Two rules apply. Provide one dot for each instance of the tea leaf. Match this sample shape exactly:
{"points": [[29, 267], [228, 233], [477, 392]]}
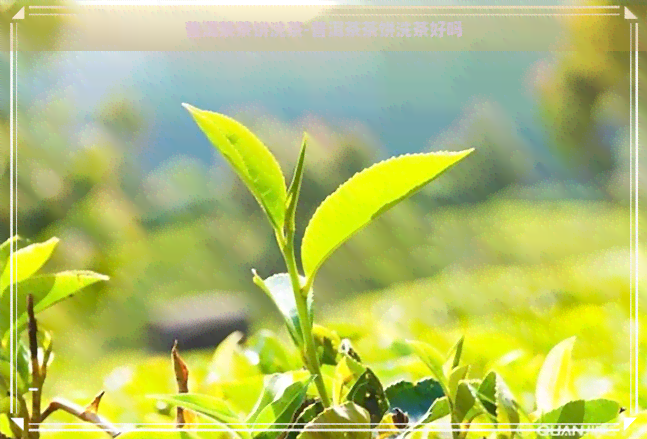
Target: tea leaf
{"points": [[206, 405], [279, 288], [597, 411], [554, 378], [304, 417], [364, 197], [278, 413], [368, 392], [432, 359], [47, 290], [458, 374], [229, 362], [251, 160], [454, 357], [507, 414], [295, 186], [487, 393], [5, 251], [273, 385], [27, 260], [355, 417], [347, 371], [273, 355], [439, 409]]}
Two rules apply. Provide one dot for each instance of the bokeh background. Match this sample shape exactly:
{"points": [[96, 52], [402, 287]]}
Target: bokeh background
{"points": [[522, 245]]}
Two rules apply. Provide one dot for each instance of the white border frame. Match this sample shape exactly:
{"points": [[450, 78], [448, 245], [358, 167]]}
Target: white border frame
{"points": [[634, 186]]}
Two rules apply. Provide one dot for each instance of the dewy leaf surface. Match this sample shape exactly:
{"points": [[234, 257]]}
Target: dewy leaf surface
{"points": [[249, 157], [364, 197]]}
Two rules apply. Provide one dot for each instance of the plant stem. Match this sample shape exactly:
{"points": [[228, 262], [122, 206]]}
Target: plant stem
{"points": [[82, 414], [310, 353], [37, 380]]}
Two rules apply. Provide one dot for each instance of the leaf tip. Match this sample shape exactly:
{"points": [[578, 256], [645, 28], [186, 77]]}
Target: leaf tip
{"points": [[190, 108]]}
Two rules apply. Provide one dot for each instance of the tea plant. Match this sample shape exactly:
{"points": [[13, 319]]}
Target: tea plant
{"points": [[24, 363], [355, 404], [336, 394]]}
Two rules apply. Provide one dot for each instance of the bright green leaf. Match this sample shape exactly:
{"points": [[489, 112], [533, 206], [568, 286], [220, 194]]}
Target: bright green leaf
{"points": [[456, 375], [554, 381], [208, 406], [273, 385], [347, 372], [295, 186], [47, 291], [597, 411], [439, 409], [251, 160], [278, 413], [454, 357], [27, 261], [487, 393], [364, 197], [229, 362], [356, 418], [279, 288], [273, 355], [5, 251], [507, 414], [432, 359]]}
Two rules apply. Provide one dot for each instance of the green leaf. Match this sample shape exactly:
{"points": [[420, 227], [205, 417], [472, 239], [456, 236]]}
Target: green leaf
{"points": [[347, 372], [309, 413], [229, 362], [507, 414], [454, 357], [439, 409], [273, 355], [5, 251], [364, 197], [368, 392], [467, 404], [414, 399], [251, 160], [554, 379], [356, 418], [47, 290], [212, 408], [273, 386], [277, 414], [279, 288], [27, 261], [456, 375], [597, 411], [295, 186], [487, 393], [432, 359]]}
